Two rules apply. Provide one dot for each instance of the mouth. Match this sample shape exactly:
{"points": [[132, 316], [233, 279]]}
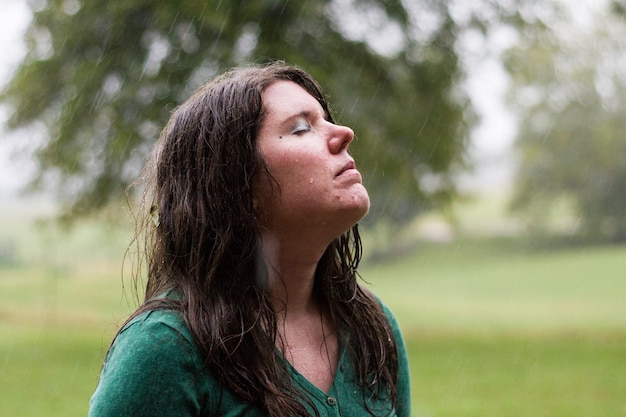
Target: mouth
{"points": [[348, 166]]}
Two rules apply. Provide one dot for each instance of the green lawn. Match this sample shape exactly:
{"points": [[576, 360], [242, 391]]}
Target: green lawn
{"points": [[515, 376], [502, 328], [49, 369], [505, 285], [493, 327]]}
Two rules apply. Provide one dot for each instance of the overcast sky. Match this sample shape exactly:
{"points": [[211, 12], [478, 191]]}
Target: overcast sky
{"points": [[13, 21]]}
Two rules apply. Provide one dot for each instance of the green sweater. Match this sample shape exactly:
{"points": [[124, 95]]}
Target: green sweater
{"points": [[154, 368]]}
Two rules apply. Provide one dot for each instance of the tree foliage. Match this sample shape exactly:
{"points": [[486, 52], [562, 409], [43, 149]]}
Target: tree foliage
{"points": [[101, 78], [571, 93]]}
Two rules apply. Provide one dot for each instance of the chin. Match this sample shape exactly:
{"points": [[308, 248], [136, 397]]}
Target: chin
{"points": [[363, 200], [358, 209]]}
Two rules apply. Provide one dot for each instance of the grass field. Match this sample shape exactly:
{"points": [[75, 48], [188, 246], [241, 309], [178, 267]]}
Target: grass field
{"points": [[494, 327], [497, 328]]}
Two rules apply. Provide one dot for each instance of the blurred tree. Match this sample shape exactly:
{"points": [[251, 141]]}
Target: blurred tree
{"points": [[101, 78], [619, 8], [571, 97]]}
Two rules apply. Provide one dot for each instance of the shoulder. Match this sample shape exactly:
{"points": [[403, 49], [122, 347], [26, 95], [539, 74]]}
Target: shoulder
{"points": [[391, 318], [152, 367], [154, 333], [393, 324], [163, 323], [404, 378]]}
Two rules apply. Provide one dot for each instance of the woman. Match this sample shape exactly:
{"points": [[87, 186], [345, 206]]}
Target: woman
{"points": [[252, 306]]}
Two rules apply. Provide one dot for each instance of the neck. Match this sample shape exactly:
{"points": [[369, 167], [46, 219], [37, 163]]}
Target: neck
{"points": [[291, 267]]}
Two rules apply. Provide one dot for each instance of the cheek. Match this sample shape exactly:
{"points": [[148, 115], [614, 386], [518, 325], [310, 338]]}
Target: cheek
{"points": [[302, 185], [298, 169], [301, 171]]}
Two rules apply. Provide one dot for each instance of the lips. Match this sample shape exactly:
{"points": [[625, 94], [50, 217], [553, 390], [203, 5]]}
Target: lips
{"points": [[348, 166]]}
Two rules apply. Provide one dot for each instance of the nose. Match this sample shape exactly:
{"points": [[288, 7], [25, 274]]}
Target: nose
{"points": [[340, 138]]}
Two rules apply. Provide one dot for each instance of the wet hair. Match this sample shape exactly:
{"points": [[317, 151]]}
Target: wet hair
{"points": [[202, 243]]}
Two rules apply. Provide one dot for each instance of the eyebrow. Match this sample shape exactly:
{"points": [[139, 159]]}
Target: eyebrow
{"points": [[305, 114]]}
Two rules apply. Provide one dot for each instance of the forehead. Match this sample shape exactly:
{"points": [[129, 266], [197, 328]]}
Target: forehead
{"points": [[284, 98]]}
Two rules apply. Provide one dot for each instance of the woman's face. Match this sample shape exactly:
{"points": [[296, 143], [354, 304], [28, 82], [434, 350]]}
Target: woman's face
{"points": [[319, 187]]}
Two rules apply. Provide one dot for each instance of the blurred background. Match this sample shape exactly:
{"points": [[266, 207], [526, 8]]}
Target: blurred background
{"points": [[491, 136]]}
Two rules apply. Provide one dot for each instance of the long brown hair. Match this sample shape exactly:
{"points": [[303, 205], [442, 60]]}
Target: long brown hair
{"points": [[204, 246]]}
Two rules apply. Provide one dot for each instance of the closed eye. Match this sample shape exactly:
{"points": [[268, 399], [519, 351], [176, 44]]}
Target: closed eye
{"points": [[301, 128]]}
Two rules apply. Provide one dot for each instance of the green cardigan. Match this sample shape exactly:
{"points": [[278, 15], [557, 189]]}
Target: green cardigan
{"points": [[155, 369]]}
